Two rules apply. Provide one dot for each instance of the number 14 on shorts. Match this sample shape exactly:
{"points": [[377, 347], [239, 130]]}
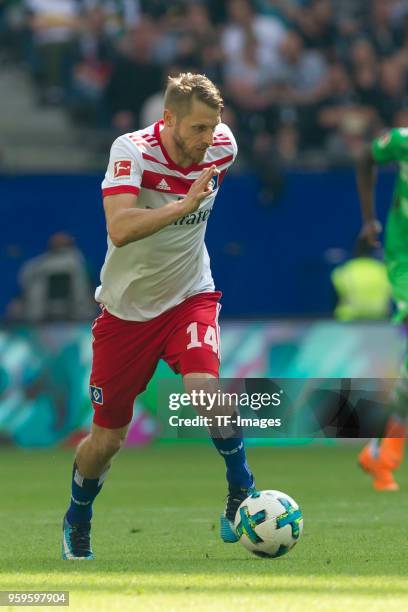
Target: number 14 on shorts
{"points": [[210, 338]]}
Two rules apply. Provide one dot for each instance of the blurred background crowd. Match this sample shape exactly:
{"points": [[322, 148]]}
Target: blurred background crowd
{"points": [[306, 82]]}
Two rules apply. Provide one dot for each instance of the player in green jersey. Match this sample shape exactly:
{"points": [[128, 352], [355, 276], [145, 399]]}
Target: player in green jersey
{"points": [[381, 458]]}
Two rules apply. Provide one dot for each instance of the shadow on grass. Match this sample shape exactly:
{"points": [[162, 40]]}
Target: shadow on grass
{"points": [[200, 584], [238, 569]]}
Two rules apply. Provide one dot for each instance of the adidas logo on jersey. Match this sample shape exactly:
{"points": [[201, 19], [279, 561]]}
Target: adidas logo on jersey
{"points": [[163, 185]]}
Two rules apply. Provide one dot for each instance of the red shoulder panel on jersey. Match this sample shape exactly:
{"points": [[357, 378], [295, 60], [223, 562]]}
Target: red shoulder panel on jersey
{"points": [[165, 183], [109, 191], [221, 144], [217, 162], [136, 137], [142, 139], [154, 159]]}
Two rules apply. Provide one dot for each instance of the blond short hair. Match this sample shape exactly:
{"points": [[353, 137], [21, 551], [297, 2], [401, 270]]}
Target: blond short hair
{"points": [[182, 89]]}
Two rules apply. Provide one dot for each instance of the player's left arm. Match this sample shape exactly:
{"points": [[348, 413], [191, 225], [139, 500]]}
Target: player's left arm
{"points": [[385, 149], [366, 172]]}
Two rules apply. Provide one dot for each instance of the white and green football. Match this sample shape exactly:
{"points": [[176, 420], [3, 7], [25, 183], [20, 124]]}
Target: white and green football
{"points": [[269, 523]]}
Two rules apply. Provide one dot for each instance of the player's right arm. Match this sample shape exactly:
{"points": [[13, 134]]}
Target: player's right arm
{"points": [[386, 148], [125, 222]]}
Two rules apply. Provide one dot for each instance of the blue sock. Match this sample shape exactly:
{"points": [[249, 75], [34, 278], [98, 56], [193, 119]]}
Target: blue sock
{"points": [[84, 491], [239, 475]]}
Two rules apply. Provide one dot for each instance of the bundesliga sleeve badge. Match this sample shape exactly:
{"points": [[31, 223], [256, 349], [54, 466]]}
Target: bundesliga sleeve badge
{"points": [[122, 168]]}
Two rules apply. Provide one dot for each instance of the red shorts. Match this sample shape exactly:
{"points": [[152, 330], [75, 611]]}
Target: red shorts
{"points": [[126, 353]]}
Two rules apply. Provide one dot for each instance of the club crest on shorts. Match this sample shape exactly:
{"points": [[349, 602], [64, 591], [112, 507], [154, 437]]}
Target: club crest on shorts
{"points": [[96, 394]]}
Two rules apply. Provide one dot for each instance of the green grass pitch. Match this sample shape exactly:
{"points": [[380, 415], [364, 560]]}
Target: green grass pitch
{"points": [[155, 533]]}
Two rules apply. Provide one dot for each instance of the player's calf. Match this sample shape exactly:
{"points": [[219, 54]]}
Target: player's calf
{"points": [[230, 445], [88, 475], [96, 450]]}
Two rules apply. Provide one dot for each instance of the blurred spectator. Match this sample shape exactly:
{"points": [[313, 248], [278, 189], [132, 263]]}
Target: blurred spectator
{"points": [[348, 114], [284, 10], [158, 8], [401, 118], [3, 24], [351, 15], [169, 29], [309, 78], [393, 89], [399, 21], [198, 33], [247, 77], [299, 73], [53, 25], [316, 24], [55, 285], [119, 15], [153, 106], [134, 78], [212, 61], [339, 98], [271, 157], [300, 83], [269, 32], [379, 28], [12, 24], [92, 67], [362, 52], [362, 287], [356, 127], [364, 71], [152, 109]]}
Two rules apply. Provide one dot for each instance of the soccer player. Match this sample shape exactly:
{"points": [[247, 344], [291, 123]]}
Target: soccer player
{"points": [[381, 457], [157, 293]]}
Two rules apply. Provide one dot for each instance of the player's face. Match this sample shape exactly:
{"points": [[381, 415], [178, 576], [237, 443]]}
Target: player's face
{"points": [[193, 133]]}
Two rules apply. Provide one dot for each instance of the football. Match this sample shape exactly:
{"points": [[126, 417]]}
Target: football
{"points": [[269, 523]]}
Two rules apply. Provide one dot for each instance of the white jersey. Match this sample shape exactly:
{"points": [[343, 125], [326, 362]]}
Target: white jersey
{"points": [[141, 280]]}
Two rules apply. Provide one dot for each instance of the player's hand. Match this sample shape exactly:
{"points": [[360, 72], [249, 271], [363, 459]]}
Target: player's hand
{"points": [[199, 190], [370, 231]]}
